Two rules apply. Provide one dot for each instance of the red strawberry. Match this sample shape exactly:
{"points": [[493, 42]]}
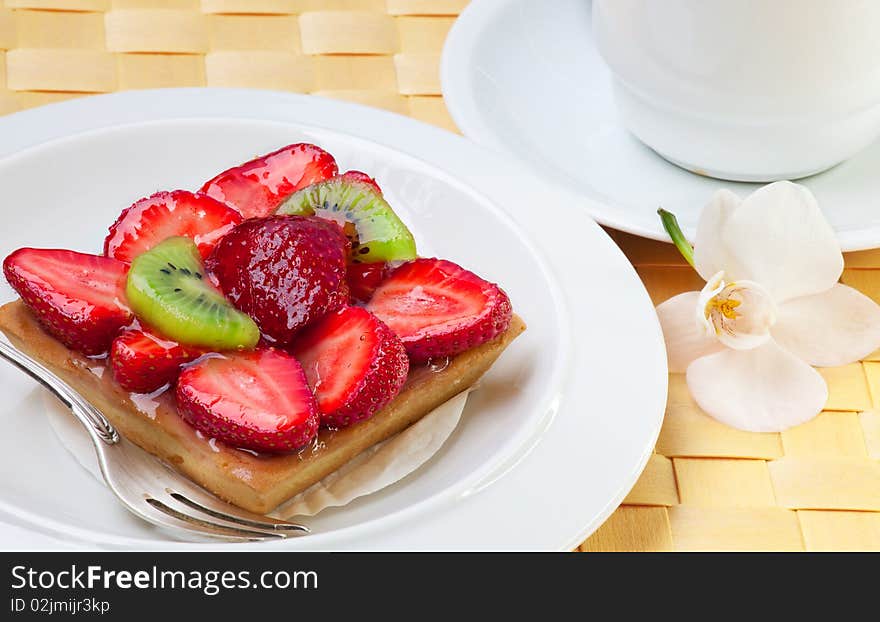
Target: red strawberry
{"points": [[166, 214], [143, 362], [283, 271], [257, 400], [439, 309], [354, 363], [361, 177], [258, 187], [364, 278], [78, 298]]}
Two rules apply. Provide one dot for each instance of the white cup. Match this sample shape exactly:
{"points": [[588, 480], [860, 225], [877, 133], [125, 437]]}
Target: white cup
{"points": [[748, 90]]}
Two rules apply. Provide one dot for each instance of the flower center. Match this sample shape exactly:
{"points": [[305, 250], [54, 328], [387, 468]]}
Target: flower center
{"points": [[739, 314], [725, 307]]}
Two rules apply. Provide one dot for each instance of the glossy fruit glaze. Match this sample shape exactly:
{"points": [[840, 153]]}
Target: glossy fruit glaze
{"points": [[258, 186], [77, 297], [144, 362], [283, 271], [439, 309], [354, 364], [153, 219], [364, 278], [257, 400]]}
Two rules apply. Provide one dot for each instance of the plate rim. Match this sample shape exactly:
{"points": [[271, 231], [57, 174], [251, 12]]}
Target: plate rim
{"points": [[455, 60], [208, 102]]}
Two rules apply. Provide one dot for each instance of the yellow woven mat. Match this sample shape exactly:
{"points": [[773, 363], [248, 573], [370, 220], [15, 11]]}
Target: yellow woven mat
{"points": [[816, 487]]}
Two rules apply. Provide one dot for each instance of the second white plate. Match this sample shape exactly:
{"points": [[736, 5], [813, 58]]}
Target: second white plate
{"points": [[525, 78]]}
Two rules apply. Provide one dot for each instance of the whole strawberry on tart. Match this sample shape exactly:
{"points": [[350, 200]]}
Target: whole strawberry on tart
{"points": [[281, 299]]}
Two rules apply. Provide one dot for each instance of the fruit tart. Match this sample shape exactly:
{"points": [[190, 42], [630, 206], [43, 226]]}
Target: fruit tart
{"points": [[259, 333]]}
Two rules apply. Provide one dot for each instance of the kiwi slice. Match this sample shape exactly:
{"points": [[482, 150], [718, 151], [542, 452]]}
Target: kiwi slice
{"points": [[168, 290], [375, 231]]}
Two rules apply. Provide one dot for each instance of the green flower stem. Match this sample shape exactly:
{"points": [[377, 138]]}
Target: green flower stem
{"points": [[670, 223]]}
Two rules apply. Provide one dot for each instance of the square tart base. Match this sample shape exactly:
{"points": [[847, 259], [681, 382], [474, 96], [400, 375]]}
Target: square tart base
{"points": [[258, 483]]}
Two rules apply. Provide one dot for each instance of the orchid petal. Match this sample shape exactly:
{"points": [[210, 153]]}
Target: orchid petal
{"points": [[779, 238], [685, 339], [766, 389], [710, 253], [837, 327]]}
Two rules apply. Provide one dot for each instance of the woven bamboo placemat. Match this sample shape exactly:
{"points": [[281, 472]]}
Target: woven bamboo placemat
{"points": [[707, 487]]}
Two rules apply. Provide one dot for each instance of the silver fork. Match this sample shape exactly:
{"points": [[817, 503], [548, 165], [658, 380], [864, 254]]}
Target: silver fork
{"points": [[146, 486]]}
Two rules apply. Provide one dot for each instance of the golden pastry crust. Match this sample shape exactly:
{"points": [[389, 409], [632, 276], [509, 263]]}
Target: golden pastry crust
{"points": [[255, 483]]}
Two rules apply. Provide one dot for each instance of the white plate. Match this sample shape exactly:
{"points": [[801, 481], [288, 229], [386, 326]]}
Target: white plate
{"points": [[563, 424], [525, 78]]}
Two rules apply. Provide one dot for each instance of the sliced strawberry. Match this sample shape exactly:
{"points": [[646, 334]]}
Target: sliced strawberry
{"points": [[364, 278], [354, 363], [257, 400], [361, 177], [143, 362], [258, 187], [167, 214], [78, 298], [283, 271], [439, 309]]}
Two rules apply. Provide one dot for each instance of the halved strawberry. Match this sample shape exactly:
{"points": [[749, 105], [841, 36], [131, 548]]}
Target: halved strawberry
{"points": [[168, 214], [364, 278], [258, 187], [143, 362], [361, 177], [78, 298], [354, 364], [439, 309], [257, 400]]}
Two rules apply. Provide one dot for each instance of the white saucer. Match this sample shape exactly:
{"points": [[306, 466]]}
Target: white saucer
{"points": [[526, 79]]}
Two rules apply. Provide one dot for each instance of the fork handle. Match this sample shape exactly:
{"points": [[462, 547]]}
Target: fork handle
{"points": [[88, 415]]}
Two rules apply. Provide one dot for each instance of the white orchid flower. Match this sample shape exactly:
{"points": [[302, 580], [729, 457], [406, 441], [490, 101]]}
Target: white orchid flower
{"points": [[771, 308]]}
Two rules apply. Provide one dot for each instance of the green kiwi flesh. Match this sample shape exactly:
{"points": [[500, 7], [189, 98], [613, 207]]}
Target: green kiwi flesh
{"points": [[378, 234], [167, 289]]}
